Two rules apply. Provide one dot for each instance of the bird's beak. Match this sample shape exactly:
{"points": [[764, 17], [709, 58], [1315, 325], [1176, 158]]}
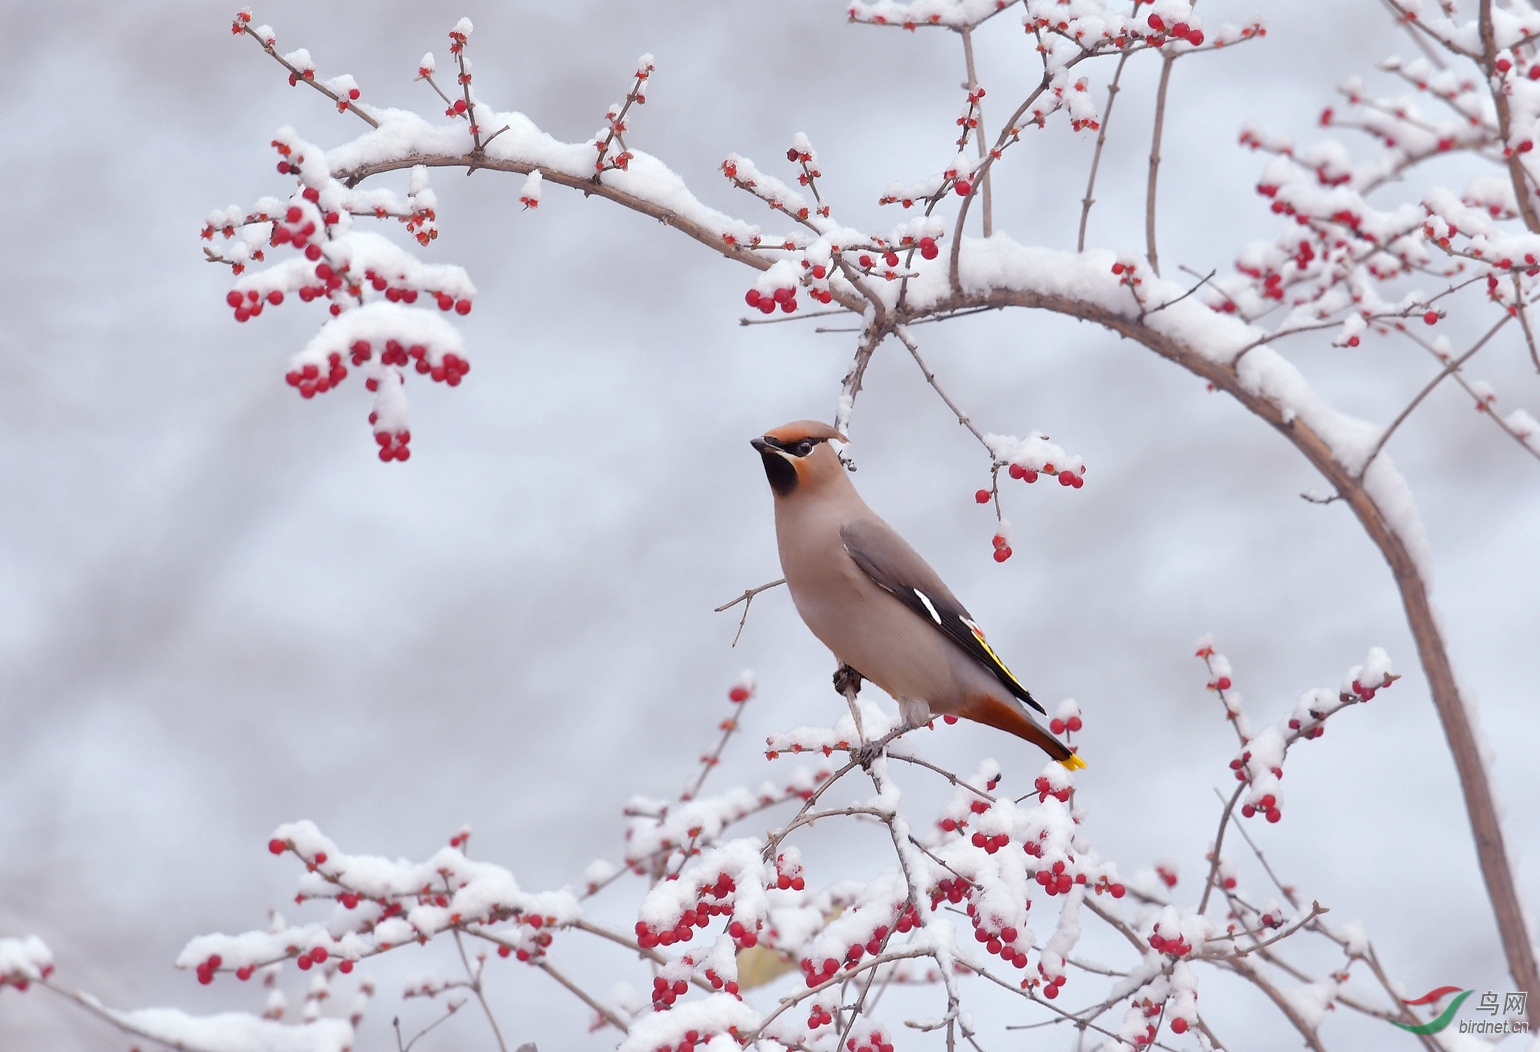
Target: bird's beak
{"points": [[765, 446]]}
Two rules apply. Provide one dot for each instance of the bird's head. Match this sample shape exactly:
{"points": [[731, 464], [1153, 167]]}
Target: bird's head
{"points": [[798, 456]]}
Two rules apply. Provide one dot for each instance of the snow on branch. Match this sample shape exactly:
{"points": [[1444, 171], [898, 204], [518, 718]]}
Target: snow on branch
{"points": [[723, 916]]}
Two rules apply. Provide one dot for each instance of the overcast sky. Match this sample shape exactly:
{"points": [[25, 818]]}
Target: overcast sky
{"points": [[219, 611]]}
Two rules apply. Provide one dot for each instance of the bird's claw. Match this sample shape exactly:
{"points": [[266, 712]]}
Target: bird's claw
{"points": [[868, 753], [847, 681]]}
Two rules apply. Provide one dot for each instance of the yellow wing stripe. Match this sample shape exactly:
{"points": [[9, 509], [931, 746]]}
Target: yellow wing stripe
{"points": [[979, 635]]}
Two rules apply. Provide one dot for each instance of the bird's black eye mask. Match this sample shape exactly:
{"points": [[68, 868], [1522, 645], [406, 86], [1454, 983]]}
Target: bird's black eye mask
{"points": [[797, 449], [781, 473]]}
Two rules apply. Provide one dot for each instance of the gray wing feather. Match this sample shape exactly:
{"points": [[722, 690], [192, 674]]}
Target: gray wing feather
{"points": [[897, 569]]}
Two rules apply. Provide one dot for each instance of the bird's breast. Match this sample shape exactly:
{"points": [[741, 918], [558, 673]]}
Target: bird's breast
{"points": [[865, 627]]}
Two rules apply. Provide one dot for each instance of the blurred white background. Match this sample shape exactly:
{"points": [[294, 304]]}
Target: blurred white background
{"points": [[219, 611]]}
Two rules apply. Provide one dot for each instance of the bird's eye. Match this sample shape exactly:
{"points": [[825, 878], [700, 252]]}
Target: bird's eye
{"points": [[804, 447]]}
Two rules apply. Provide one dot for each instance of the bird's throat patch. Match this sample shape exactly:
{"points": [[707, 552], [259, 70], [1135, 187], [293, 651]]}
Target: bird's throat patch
{"points": [[780, 471]]}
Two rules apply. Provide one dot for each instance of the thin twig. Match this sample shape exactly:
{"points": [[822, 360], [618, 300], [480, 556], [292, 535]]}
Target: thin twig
{"points": [[930, 378], [1096, 157], [746, 598], [1447, 371], [300, 77], [450, 1009], [1201, 282], [799, 316], [1219, 839], [475, 985], [973, 83], [609, 1017], [1149, 194]]}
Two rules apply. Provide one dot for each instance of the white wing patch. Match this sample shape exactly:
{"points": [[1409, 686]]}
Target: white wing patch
{"points": [[928, 605]]}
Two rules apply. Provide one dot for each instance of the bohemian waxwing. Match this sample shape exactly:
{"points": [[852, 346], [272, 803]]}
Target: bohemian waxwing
{"points": [[876, 604]]}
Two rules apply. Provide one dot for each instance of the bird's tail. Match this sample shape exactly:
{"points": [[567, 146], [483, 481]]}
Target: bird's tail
{"points": [[1004, 716]]}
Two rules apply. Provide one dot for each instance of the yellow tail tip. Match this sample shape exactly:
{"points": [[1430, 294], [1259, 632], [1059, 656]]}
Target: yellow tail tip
{"points": [[1072, 763]]}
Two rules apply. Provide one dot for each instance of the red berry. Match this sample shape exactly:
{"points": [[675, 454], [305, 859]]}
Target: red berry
{"points": [[1156, 23], [738, 694], [1179, 1025], [243, 972], [964, 188], [234, 299], [276, 846], [320, 857], [1002, 554], [345, 966], [1066, 478], [275, 297], [982, 496], [304, 962], [1017, 471], [312, 252], [462, 306], [1431, 317], [349, 900], [1223, 683], [1056, 725], [1074, 723], [751, 297]]}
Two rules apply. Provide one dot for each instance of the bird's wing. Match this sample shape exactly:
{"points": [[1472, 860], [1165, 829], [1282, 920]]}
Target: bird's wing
{"points": [[897, 569]]}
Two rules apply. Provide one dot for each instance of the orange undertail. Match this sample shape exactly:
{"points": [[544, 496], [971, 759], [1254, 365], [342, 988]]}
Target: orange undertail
{"points": [[1004, 716]]}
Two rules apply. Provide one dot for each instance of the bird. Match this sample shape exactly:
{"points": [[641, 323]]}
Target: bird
{"points": [[872, 600]]}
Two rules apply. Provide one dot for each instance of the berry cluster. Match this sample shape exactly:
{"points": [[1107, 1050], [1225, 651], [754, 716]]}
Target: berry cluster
{"points": [[692, 1039], [1177, 30], [308, 379], [393, 444], [1175, 945], [1045, 788], [665, 992], [1002, 546], [1056, 878], [999, 942], [784, 297], [872, 1042], [718, 983]]}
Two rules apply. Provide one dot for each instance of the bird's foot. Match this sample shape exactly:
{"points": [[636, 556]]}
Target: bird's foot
{"points": [[870, 750], [867, 754], [847, 681]]}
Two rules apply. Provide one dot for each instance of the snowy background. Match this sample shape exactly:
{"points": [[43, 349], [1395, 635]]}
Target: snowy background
{"points": [[219, 611]]}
